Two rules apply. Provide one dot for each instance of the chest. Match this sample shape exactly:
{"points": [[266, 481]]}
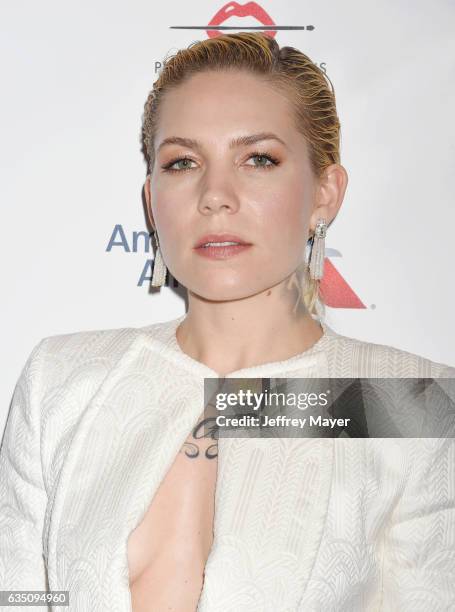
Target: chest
{"points": [[176, 532]]}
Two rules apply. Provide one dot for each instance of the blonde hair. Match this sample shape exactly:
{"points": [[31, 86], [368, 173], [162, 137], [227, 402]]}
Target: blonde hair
{"points": [[308, 88]]}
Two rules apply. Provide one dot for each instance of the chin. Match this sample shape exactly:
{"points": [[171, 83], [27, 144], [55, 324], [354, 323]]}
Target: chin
{"points": [[229, 285], [225, 292]]}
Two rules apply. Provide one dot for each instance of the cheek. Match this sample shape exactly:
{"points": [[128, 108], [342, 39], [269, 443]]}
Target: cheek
{"points": [[284, 218], [169, 232], [170, 212]]}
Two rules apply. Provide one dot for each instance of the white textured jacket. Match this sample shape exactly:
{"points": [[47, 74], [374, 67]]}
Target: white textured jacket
{"points": [[301, 525]]}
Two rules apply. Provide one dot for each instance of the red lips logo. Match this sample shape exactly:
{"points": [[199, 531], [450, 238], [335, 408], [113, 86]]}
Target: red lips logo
{"points": [[250, 9]]}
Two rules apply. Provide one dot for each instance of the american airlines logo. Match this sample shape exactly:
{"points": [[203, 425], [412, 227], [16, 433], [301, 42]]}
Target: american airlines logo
{"points": [[335, 290]]}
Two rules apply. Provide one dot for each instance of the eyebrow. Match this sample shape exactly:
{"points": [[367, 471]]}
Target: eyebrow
{"points": [[236, 142]]}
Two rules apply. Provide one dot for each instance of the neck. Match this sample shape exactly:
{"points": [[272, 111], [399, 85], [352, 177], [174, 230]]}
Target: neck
{"points": [[232, 335]]}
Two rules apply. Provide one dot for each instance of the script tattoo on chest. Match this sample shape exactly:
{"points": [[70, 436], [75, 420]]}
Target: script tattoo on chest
{"points": [[203, 432]]}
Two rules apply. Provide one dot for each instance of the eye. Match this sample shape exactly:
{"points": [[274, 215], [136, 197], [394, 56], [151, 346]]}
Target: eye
{"points": [[264, 157], [168, 167]]}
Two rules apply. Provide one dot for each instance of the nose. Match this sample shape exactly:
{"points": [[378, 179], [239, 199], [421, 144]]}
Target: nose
{"points": [[218, 195]]}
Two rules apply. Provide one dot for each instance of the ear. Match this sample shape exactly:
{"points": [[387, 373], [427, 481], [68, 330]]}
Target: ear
{"points": [[148, 199], [329, 195]]}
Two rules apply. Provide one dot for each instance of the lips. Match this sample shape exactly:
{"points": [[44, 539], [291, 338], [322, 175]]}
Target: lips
{"points": [[219, 238], [246, 10]]}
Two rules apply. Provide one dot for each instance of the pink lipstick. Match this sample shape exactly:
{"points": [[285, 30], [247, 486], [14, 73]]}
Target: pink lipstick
{"points": [[220, 246]]}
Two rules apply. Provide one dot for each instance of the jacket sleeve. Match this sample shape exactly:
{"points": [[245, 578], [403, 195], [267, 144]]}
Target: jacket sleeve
{"points": [[23, 497], [419, 551]]}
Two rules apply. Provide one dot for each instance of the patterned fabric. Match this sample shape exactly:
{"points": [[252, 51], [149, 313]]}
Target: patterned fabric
{"points": [[301, 525]]}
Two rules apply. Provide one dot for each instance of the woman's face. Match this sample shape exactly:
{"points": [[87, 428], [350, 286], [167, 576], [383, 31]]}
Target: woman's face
{"points": [[262, 192]]}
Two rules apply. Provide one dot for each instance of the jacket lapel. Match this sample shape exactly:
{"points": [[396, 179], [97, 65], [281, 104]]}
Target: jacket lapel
{"points": [[271, 505], [127, 439], [271, 497]]}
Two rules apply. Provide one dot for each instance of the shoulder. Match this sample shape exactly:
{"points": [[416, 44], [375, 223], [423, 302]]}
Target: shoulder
{"points": [[418, 407], [108, 343], [87, 355], [68, 368], [99, 346], [352, 357], [52, 359], [67, 371], [80, 345]]}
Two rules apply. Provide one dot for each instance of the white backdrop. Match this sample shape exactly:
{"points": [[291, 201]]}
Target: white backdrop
{"points": [[75, 76]]}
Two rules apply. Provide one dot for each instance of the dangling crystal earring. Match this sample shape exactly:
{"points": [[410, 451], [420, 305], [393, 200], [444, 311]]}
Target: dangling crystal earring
{"points": [[318, 250], [159, 267]]}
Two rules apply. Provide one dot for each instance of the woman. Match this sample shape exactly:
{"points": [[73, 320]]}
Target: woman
{"points": [[108, 489]]}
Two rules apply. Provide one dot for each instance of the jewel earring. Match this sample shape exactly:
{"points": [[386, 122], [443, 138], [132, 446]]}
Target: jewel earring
{"points": [[317, 254], [159, 267]]}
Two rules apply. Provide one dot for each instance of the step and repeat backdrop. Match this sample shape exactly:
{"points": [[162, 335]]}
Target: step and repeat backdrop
{"points": [[75, 249]]}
